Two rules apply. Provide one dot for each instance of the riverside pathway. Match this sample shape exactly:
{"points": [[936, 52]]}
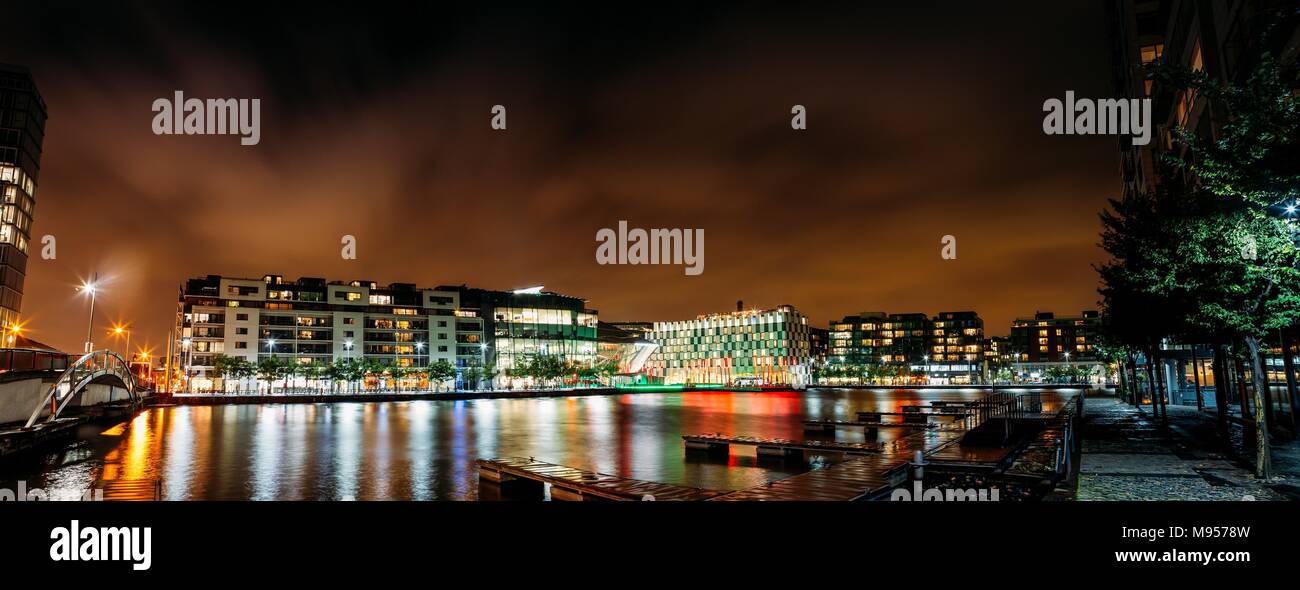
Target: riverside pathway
{"points": [[1128, 455]]}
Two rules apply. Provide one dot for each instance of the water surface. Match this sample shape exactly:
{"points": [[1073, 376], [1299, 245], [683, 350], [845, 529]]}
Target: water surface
{"points": [[425, 450]]}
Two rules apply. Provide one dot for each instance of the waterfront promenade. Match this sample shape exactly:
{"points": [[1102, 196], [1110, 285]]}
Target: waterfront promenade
{"points": [[1129, 455]]}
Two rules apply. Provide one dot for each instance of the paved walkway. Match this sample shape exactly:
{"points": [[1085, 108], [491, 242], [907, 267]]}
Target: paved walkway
{"points": [[1128, 455]]}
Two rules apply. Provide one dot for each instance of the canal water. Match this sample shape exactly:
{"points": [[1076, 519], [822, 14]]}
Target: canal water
{"points": [[425, 450]]}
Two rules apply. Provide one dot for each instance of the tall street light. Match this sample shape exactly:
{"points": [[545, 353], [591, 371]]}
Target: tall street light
{"points": [[118, 331], [90, 322]]}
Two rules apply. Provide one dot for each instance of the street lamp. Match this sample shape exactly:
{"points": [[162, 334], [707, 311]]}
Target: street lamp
{"points": [[270, 345], [93, 290], [926, 358], [118, 331]]}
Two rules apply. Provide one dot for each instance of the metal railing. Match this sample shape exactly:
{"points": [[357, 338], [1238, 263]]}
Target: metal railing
{"points": [[75, 378], [14, 360]]}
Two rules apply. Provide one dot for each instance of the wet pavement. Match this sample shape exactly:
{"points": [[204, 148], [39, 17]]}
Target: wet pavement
{"points": [[1129, 455]]}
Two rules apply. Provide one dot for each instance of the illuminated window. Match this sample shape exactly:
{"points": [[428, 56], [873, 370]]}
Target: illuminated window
{"points": [[1151, 53]]}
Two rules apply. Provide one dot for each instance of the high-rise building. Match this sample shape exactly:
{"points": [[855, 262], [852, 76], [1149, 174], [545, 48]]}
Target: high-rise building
{"points": [[767, 346], [315, 322], [22, 131]]}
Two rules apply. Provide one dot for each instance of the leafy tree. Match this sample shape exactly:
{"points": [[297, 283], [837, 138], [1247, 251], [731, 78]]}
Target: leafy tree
{"points": [[606, 369], [353, 372], [268, 370], [224, 366], [440, 371], [373, 367], [472, 374], [1214, 256], [335, 372]]}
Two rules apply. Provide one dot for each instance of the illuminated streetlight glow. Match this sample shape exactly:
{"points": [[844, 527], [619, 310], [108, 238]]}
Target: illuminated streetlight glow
{"points": [[118, 331], [90, 287]]}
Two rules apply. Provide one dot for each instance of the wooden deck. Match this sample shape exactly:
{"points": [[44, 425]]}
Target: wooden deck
{"points": [[569, 483], [918, 416], [858, 478], [132, 490], [776, 446], [831, 425]]}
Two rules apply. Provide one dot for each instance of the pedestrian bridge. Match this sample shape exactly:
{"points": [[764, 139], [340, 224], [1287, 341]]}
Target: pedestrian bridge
{"points": [[97, 377]]}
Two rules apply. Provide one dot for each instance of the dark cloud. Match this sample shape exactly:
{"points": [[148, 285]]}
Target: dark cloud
{"points": [[924, 121]]}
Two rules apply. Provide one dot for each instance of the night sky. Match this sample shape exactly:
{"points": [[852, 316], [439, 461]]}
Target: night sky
{"points": [[922, 121]]}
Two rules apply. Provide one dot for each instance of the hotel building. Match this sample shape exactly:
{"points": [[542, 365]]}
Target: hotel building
{"points": [[22, 131], [771, 346], [315, 322]]}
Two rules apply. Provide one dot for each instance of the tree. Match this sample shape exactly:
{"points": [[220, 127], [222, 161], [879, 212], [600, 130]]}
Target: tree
{"points": [[472, 373], [268, 369], [288, 368], [606, 369], [373, 367], [225, 366], [489, 370], [335, 372], [440, 371], [1211, 253], [353, 372]]}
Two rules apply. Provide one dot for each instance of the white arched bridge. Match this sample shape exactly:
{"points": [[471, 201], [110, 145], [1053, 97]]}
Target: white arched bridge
{"points": [[99, 367]]}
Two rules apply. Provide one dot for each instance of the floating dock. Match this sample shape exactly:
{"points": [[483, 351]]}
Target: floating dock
{"points": [[721, 444], [569, 483]]}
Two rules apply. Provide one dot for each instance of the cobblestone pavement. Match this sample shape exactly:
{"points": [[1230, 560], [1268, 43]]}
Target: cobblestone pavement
{"points": [[1127, 455]]}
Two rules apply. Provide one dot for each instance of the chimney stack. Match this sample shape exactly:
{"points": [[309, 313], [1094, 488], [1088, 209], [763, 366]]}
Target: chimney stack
{"points": [[740, 305]]}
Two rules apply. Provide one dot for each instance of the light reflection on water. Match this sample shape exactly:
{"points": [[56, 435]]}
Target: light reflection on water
{"points": [[425, 450]]}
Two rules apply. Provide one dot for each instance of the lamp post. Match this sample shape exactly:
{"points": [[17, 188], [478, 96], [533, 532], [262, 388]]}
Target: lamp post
{"points": [[926, 358], [90, 321], [118, 331]]}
